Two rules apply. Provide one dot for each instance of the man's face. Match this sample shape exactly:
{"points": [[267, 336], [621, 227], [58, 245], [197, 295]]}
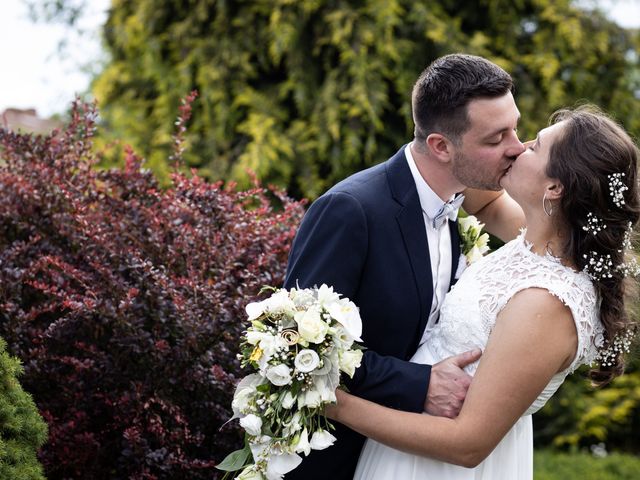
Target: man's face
{"points": [[490, 145]]}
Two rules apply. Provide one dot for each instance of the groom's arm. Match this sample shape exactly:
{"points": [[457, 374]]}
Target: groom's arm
{"points": [[330, 247]]}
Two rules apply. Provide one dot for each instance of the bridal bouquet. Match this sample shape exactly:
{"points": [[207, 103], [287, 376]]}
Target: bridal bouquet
{"points": [[298, 342]]}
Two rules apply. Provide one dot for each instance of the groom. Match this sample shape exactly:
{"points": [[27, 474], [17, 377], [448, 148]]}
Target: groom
{"points": [[387, 238]]}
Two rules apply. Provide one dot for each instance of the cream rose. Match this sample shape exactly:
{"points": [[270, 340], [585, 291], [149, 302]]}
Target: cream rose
{"points": [[311, 327]]}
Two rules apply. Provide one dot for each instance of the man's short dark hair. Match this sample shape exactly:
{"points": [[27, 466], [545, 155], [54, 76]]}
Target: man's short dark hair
{"points": [[445, 88]]}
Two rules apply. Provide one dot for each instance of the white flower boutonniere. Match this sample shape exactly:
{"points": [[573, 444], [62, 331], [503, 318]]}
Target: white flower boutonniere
{"points": [[473, 243]]}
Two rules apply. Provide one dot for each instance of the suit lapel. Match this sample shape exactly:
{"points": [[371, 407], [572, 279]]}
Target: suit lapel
{"points": [[411, 224]]}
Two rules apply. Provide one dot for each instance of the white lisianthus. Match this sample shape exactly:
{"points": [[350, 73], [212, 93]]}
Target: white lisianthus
{"points": [[245, 391], [326, 295], [302, 445], [326, 389], [268, 343], [310, 398], [349, 361], [288, 400], [347, 314], [279, 465], [302, 299], [292, 426], [279, 302], [325, 369], [311, 327], [279, 375], [252, 424], [341, 337], [250, 473], [306, 360], [321, 439]]}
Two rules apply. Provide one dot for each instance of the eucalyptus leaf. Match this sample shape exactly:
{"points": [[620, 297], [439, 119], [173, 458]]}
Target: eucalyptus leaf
{"points": [[235, 460]]}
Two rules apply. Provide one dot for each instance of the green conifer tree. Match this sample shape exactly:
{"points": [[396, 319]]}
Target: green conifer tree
{"points": [[22, 429]]}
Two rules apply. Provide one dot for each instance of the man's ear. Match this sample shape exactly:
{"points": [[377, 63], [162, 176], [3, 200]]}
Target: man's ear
{"points": [[440, 146], [555, 190]]}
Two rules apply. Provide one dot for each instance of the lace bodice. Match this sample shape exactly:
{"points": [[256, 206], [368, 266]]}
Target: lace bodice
{"points": [[469, 311]]}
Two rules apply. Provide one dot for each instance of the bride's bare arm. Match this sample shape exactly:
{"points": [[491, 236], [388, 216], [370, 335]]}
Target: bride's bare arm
{"points": [[502, 216], [534, 337]]}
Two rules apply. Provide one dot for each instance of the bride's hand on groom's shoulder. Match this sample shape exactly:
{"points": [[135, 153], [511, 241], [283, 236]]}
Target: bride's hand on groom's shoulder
{"points": [[448, 385]]}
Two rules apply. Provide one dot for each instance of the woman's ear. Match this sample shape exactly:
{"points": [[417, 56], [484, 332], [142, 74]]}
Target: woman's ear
{"points": [[555, 191], [440, 146]]}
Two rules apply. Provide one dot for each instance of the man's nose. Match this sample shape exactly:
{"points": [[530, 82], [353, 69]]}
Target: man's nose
{"points": [[516, 147]]}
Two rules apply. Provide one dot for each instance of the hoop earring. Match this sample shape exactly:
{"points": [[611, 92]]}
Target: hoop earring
{"points": [[549, 212]]}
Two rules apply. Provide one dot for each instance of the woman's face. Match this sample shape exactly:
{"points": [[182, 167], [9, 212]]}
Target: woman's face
{"points": [[526, 180]]}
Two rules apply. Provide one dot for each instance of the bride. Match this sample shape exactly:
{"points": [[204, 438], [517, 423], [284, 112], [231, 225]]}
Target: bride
{"points": [[544, 304]]}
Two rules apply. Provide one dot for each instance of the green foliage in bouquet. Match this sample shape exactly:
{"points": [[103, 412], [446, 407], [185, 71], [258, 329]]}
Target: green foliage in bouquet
{"points": [[305, 93], [22, 429]]}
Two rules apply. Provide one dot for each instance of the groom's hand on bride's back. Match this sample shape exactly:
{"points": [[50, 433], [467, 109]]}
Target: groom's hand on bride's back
{"points": [[448, 385]]}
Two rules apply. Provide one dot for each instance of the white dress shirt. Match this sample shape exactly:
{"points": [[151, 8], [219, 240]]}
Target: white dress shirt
{"points": [[439, 241]]}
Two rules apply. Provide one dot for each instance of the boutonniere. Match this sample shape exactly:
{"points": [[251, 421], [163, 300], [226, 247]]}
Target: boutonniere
{"points": [[473, 243]]}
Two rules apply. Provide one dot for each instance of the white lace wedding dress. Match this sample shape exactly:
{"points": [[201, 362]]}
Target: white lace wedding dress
{"points": [[466, 320]]}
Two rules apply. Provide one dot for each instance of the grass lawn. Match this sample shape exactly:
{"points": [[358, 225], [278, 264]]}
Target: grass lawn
{"points": [[549, 465]]}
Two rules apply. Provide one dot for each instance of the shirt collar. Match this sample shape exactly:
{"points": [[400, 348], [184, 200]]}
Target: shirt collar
{"points": [[430, 202]]}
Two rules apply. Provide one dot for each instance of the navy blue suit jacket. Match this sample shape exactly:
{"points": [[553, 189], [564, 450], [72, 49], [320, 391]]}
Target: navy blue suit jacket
{"points": [[366, 238]]}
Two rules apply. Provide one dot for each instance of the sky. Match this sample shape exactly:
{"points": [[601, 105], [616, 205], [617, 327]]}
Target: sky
{"points": [[35, 75]]}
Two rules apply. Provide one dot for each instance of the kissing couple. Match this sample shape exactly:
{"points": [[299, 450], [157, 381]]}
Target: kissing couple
{"points": [[459, 356]]}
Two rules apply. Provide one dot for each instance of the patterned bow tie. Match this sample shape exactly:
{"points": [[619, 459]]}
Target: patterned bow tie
{"points": [[448, 211]]}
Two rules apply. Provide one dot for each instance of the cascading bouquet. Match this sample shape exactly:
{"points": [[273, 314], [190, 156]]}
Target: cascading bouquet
{"points": [[298, 342]]}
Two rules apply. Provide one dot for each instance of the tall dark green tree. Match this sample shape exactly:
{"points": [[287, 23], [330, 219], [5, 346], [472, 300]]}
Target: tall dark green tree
{"points": [[306, 92]]}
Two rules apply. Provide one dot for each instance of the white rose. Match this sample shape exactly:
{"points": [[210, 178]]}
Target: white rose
{"points": [[306, 360], [250, 474], [321, 439], [252, 424], [279, 375], [311, 327], [302, 445], [288, 400], [346, 313], [349, 361]]}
